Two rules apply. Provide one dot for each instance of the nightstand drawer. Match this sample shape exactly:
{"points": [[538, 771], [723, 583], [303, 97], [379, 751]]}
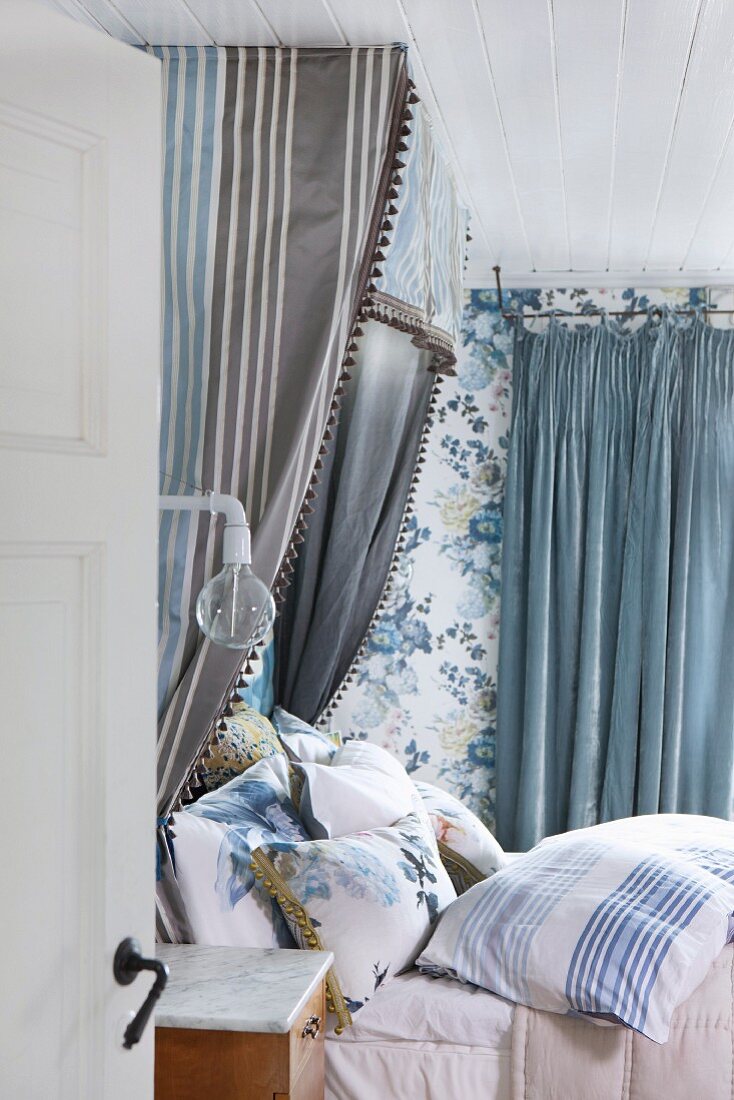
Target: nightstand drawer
{"points": [[232, 1065]]}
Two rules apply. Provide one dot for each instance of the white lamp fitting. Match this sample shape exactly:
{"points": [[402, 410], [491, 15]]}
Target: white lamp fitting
{"points": [[234, 608]]}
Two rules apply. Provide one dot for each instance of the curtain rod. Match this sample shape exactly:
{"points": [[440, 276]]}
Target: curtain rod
{"points": [[513, 315]]}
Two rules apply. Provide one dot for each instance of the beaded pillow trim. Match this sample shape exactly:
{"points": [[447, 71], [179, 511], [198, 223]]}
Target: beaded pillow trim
{"points": [[302, 930], [461, 871]]}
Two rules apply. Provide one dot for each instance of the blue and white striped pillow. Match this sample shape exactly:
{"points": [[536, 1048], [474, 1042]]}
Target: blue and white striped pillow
{"points": [[618, 922]]}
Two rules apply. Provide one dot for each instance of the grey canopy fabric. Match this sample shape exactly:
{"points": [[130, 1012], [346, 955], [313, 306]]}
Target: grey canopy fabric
{"points": [[277, 166], [343, 565], [615, 684], [343, 569]]}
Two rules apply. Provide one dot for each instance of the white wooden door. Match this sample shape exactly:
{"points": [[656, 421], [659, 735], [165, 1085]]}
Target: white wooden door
{"points": [[80, 136]]}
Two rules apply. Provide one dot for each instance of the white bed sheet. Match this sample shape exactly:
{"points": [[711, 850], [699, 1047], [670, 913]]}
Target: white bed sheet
{"points": [[424, 1038]]}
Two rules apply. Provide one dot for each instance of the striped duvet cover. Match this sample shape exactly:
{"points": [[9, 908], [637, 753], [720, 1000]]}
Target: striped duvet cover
{"points": [[619, 922]]}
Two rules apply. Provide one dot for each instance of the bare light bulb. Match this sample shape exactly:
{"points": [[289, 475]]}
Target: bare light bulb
{"points": [[235, 609]]}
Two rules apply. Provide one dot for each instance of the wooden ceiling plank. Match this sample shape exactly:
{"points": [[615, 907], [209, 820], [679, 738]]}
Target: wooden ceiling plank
{"points": [[658, 40], [76, 10], [559, 124], [462, 103], [372, 23], [587, 40], [700, 146], [305, 23], [162, 23], [520, 56], [240, 24], [336, 23], [106, 14], [711, 246]]}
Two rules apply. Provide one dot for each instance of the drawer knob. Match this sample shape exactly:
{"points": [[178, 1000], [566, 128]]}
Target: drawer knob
{"points": [[312, 1027]]}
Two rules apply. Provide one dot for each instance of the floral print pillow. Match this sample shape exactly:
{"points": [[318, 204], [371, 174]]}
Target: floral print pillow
{"points": [[213, 842], [247, 738], [468, 850], [371, 898]]}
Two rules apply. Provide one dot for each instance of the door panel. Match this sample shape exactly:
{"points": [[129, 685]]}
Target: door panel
{"points": [[51, 608], [52, 222], [80, 148]]}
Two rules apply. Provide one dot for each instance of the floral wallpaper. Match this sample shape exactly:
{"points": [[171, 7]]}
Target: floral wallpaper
{"points": [[427, 687]]}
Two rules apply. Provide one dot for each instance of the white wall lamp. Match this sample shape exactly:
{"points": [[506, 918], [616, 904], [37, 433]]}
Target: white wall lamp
{"points": [[234, 608]]}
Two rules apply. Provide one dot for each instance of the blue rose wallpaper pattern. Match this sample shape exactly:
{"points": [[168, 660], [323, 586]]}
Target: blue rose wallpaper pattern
{"points": [[427, 687]]}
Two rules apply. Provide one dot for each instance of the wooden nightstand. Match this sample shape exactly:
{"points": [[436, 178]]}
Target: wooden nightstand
{"points": [[241, 1024]]}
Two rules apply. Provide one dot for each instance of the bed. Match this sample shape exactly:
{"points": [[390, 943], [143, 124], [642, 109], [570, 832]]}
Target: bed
{"points": [[434, 1039], [426, 915], [428, 1038]]}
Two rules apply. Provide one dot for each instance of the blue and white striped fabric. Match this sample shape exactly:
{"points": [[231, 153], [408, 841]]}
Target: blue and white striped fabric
{"points": [[422, 273], [620, 922]]}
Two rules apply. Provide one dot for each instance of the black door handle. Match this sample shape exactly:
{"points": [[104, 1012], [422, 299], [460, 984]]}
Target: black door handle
{"points": [[127, 964]]}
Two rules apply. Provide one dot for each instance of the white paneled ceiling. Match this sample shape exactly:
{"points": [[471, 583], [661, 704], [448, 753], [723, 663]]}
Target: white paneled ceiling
{"points": [[591, 139]]}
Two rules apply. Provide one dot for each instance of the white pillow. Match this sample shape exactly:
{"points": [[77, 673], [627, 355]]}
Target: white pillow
{"points": [[469, 851], [371, 898], [364, 788], [364, 754], [301, 741]]}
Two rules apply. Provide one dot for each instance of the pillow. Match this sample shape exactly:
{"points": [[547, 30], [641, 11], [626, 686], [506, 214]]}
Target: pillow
{"points": [[468, 850], [213, 841], [365, 788], [371, 898], [365, 754], [247, 738], [303, 742], [619, 922]]}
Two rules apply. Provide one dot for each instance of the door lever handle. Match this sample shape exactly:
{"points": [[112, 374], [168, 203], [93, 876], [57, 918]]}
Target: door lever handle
{"points": [[128, 963]]}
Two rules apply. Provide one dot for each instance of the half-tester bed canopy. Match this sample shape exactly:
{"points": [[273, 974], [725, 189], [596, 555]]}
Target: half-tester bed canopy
{"points": [[303, 196]]}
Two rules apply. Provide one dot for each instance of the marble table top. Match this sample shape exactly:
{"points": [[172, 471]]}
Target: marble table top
{"points": [[237, 988]]}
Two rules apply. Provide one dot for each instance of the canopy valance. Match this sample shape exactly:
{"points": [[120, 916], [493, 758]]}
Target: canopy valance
{"points": [[420, 287]]}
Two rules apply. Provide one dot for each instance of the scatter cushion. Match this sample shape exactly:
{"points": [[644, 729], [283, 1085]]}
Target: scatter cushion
{"points": [[213, 841], [364, 788], [247, 738], [619, 922], [468, 850], [303, 742], [371, 898]]}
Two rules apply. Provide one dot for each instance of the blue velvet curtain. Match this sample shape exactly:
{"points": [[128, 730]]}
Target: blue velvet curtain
{"points": [[616, 669]]}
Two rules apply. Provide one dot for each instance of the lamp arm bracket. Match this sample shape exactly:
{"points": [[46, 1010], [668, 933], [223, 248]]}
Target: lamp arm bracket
{"points": [[236, 549]]}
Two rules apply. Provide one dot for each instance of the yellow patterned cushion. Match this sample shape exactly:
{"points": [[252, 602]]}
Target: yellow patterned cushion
{"points": [[248, 737]]}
